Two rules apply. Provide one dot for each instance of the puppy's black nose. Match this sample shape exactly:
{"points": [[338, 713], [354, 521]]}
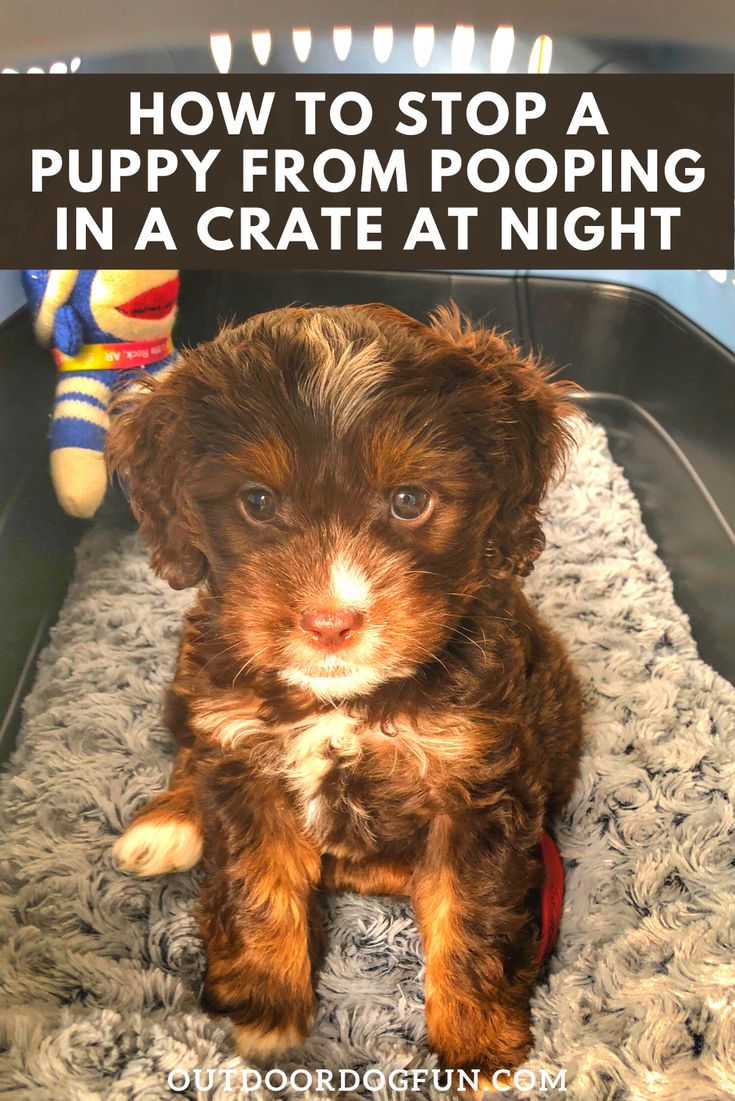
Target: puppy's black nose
{"points": [[331, 630]]}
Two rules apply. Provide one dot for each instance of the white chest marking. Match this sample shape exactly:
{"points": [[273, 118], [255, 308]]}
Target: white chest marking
{"points": [[227, 728], [310, 752], [304, 753]]}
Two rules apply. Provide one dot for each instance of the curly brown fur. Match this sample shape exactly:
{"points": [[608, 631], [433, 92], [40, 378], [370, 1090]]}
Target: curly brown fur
{"points": [[422, 747]]}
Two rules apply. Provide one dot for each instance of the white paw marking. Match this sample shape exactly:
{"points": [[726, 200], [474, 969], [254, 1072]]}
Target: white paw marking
{"points": [[252, 1043], [155, 848]]}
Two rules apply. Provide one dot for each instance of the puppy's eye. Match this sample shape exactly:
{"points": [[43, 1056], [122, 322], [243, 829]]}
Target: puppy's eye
{"points": [[258, 503], [410, 503]]}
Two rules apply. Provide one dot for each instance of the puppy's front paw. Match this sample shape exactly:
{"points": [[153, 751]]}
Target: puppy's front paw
{"points": [[257, 1044], [151, 847], [485, 1089], [474, 1037]]}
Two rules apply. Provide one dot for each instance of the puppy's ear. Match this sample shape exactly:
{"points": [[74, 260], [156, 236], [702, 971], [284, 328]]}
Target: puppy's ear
{"points": [[145, 448], [525, 434]]}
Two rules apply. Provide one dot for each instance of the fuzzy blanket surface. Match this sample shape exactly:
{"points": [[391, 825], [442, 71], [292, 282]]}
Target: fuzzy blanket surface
{"points": [[101, 971]]}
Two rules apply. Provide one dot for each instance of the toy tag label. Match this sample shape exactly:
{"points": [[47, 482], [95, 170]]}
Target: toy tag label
{"points": [[115, 357]]}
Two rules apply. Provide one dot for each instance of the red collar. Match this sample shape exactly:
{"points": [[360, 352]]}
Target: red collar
{"points": [[552, 897]]}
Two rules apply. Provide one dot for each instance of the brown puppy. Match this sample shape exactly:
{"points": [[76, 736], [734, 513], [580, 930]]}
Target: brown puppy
{"points": [[364, 698]]}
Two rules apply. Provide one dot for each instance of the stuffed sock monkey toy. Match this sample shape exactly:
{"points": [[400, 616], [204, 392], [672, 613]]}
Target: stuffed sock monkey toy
{"points": [[103, 327]]}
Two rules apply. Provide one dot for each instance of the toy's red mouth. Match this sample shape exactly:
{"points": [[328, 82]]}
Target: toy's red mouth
{"points": [[153, 304]]}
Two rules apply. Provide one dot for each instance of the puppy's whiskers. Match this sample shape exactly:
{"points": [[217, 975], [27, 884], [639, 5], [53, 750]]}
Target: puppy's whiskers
{"points": [[219, 654], [247, 664], [457, 630], [429, 653]]}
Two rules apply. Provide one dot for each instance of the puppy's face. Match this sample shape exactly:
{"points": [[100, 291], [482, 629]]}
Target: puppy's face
{"points": [[347, 480]]}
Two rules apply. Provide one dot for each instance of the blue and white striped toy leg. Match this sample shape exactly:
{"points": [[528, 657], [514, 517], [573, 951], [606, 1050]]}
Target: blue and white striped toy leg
{"points": [[77, 440], [79, 427]]}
